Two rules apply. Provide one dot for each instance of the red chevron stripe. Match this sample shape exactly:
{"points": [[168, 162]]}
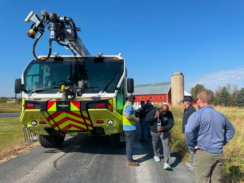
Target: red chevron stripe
{"points": [[86, 118], [75, 114], [60, 122], [79, 116], [54, 125], [56, 114], [49, 118], [71, 125]]}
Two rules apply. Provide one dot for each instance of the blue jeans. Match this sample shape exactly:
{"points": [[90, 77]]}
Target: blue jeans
{"points": [[144, 127], [192, 154], [130, 140]]}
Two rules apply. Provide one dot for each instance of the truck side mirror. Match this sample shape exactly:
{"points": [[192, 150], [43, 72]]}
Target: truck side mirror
{"points": [[130, 85], [17, 87]]}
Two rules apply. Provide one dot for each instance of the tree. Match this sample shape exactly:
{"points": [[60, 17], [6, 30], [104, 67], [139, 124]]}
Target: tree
{"points": [[240, 98], [212, 93], [232, 101], [228, 87], [193, 92], [224, 97], [197, 89], [216, 96]]}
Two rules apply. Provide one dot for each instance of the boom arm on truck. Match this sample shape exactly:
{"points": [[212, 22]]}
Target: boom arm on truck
{"points": [[61, 29]]}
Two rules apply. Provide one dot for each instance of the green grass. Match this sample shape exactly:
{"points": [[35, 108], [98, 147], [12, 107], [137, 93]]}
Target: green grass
{"points": [[9, 108], [10, 132], [233, 170]]}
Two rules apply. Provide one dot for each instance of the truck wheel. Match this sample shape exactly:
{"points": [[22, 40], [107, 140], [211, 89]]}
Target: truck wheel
{"points": [[51, 141], [115, 140]]}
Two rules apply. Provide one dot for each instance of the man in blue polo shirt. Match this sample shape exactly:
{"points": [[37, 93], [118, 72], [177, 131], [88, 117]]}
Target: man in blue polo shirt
{"points": [[129, 127], [207, 131]]}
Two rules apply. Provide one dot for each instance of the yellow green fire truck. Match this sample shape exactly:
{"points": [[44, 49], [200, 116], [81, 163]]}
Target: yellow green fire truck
{"points": [[71, 94]]}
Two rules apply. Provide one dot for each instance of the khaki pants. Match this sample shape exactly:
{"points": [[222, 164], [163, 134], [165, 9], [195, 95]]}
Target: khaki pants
{"points": [[208, 167]]}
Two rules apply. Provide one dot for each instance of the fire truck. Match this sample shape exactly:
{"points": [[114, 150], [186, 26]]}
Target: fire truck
{"points": [[71, 94]]}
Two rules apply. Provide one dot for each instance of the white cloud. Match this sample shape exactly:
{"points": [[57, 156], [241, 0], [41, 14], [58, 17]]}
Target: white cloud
{"points": [[213, 80]]}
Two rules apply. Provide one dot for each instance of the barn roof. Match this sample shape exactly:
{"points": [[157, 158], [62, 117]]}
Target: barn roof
{"points": [[155, 88]]}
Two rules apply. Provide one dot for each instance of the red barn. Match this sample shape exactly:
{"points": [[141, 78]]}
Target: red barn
{"points": [[156, 93]]}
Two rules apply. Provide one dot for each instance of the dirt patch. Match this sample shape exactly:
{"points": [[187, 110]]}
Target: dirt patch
{"points": [[16, 150]]}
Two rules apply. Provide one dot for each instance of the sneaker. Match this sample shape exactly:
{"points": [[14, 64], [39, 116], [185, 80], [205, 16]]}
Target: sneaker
{"points": [[134, 160], [191, 169], [156, 158], [132, 163], [167, 166], [189, 165]]}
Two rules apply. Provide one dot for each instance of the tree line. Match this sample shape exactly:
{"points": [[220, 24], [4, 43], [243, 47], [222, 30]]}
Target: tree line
{"points": [[228, 95]]}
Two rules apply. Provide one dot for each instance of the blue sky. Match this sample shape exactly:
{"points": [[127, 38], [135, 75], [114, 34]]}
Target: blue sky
{"points": [[203, 39]]}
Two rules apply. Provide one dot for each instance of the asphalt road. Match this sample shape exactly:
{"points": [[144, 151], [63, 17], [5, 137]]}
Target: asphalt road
{"points": [[91, 160], [4, 115]]}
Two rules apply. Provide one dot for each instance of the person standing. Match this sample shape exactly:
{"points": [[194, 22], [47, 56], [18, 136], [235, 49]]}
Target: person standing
{"points": [[207, 131], [160, 122], [129, 127], [189, 109], [149, 106], [142, 115]]}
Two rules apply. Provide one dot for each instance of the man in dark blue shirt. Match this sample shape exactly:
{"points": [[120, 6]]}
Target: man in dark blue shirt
{"points": [[141, 112], [189, 109], [207, 131]]}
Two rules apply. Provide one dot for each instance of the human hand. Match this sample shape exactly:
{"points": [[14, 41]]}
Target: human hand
{"points": [[157, 114], [137, 120], [160, 128]]}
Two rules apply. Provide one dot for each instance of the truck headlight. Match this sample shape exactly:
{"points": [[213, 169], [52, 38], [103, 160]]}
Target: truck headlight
{"points": [[110, 122], [33, 123]]}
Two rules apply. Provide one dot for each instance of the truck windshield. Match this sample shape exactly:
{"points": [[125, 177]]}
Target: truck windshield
{"points": [[52, 74]]}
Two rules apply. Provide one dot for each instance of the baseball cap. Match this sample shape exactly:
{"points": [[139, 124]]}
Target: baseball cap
{"points": [[186, 99], [131, 97]]}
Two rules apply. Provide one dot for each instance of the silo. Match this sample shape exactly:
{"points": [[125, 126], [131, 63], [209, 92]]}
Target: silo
{"points": [[177, 87]]}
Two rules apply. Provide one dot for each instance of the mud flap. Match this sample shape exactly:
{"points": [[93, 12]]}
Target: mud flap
{"points": [[28, 135]]}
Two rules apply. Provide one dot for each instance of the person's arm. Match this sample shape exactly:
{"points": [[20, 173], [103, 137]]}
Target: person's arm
{"points": [[229, 131], [151, 115], [192, 124], [128, 111], [170, 122]]}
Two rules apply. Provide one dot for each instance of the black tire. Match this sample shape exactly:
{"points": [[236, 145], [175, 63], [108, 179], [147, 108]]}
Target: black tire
{"points": [[115, 141], [51, 141]]}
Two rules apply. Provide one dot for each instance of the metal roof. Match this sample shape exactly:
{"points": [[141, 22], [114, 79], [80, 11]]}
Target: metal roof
{"points": [[155, 88], [187, 94]]}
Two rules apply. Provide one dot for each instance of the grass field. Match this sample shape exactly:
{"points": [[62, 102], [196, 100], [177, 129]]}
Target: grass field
{"points": [[9, 108], [10, 132], [234, 150], [12, 141]]}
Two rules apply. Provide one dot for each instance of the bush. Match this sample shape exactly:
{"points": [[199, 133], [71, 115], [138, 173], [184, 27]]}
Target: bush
{"points": [[3, 100]]}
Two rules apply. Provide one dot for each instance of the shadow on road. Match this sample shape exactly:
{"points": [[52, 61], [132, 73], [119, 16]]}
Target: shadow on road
{"points": [[101, 145]]}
